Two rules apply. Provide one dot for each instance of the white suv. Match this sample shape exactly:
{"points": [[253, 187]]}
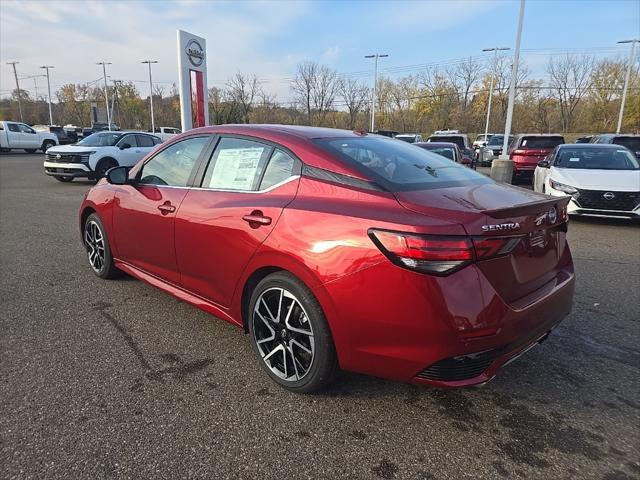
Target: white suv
{"points": [[93, 156]]}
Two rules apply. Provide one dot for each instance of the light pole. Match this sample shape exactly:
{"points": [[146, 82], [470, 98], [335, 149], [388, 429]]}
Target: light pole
{"points": [[47, 67], [15, 74], [106, 94], [153, 124], [375, 56], [502, 168], [495, 51], [626, 79]]}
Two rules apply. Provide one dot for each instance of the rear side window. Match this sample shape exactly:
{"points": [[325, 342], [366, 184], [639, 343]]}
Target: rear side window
{"points": [[173, 165], [546, 143], [237, 164], [398, 166], [281, 166], [13, 127]]}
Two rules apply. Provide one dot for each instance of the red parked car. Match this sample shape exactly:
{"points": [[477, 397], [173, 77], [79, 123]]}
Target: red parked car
{"points": [[335, 249], [526, 150]]}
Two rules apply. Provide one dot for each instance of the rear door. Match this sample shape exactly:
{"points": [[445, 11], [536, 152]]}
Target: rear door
{"points": [[129, 156], [244, 188]]}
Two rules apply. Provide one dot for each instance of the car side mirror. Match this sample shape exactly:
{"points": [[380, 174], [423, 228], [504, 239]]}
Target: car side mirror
{"points": [[118, 176], [124, 146], [544, 163]]}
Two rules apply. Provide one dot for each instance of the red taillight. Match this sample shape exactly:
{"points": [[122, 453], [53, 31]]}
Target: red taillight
{"points": [[519, 152], [438, 255]]}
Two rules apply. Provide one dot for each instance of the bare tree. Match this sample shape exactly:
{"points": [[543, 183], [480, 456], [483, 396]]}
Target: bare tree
{"points": [[315, 87], [569, 79], [607, 79], [243, 90], [355, 97]]}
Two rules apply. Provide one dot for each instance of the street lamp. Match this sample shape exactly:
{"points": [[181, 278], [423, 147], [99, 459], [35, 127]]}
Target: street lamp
{"points": [[495, 51], [626, 80], [375, 56], [502, 168], [15, 74], [153, 124], [47, 67], [106, 93]]}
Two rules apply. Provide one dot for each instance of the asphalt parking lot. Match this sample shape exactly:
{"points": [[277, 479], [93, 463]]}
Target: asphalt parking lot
{"points": [[106, 379]]}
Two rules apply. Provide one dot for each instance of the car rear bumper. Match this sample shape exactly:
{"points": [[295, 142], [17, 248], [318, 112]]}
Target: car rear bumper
{"points": [[66, 169], [413, 328]]}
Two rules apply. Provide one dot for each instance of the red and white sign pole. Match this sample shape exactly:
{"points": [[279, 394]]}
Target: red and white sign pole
{"points": [[192, 77]]}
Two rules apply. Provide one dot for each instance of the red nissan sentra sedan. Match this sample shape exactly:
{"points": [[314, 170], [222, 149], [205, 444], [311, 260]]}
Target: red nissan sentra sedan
{"points": [[333, 248]]}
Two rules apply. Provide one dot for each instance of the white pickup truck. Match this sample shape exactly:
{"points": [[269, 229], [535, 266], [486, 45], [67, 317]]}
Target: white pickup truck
{"points": [[165, 133], [19, 136]]}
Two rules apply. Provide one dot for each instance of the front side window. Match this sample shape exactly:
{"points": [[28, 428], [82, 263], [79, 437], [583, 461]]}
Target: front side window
{"points": [[237, 164], [173, 165], [26, 129], [129, 140], [398, 166]]}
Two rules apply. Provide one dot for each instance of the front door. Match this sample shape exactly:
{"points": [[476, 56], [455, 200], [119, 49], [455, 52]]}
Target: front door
{"points": [[144, 213], [220, 226]]}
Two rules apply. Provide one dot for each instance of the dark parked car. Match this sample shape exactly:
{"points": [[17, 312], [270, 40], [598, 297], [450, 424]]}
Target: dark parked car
{"points": [[58, 131], [460, 139], [338, 249], [632, 142], [586, 139], [494, 148], [526, 150]]}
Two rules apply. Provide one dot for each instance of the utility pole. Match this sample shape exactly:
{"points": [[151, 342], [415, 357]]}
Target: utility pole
{"points": [[626, 80], [495, 51], [106, 88], [15, 74], [47, 67], [114, 99], [375, 56], [502, 168], [153, 123]]}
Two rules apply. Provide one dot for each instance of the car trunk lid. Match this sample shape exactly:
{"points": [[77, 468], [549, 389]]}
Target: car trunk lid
{"points": [[500, 210]]}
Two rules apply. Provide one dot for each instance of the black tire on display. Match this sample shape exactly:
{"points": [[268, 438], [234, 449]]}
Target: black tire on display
{"points": [[96, 243], [46, 145], [103, 167], [290, 335], [64, 179]]}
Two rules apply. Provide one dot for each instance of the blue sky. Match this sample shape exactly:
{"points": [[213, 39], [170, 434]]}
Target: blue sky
{"points": [[270, 38]]}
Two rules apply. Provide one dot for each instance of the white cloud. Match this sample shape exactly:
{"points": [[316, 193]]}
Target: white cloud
{"points": [[73, 36]]}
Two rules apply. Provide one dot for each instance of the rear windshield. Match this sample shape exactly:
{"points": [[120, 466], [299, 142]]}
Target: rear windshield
{"points": [[632, 143], [406, 138], [398, 166], [541, 142], [596, 159], [448, 138]]}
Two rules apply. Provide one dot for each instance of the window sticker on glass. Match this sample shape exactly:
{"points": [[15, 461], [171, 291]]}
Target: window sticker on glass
{"points": [[574, 159], [235, 168]]}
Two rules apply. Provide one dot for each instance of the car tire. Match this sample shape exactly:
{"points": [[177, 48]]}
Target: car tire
{"points": [[30, 150], [96, 242], [64, 179], [46, 145], [103, 166], [294, 346]]}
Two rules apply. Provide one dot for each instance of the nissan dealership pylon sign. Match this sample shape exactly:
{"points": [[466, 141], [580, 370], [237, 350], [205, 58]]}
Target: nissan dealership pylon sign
{"points": [[192, 75]]}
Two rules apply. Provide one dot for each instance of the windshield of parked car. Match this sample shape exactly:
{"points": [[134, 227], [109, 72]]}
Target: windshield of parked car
{"points": [[444, 151], [544, 143], [498, 140], [397, 166], [596, 159], [632, 143], [102, 139]]}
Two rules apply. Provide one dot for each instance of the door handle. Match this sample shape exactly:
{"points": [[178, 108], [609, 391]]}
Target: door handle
{"points": [[166, 208], [256, 219]]}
